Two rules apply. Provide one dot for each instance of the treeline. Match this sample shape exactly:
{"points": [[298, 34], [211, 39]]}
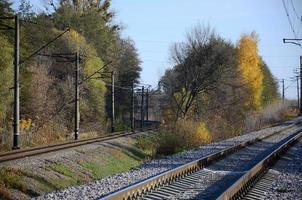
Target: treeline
{"points": [[47, 82], [214, 86]]}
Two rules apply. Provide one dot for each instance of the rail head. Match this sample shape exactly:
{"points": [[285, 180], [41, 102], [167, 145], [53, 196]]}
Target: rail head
{"points": [[239, 186]]}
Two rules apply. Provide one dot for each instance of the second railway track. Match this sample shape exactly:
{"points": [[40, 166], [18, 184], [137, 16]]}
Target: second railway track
{"points": [[213, 176], [16, 154]]}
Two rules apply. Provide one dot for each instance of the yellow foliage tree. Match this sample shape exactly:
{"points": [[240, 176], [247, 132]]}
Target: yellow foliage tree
{"points": [[91, 63], [202, 133], [250, 69]]}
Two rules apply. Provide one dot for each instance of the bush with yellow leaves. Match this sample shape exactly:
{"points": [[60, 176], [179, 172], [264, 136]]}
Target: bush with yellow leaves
{"points": [[192, 133], [202, 134], [25, 125], [173, 138]]}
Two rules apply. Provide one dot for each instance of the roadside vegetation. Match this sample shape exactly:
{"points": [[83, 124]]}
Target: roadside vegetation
{"points": [[215, 90], [47, 83]]}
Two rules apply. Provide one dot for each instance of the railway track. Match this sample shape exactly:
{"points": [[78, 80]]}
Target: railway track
{"points": [[268, 184], [221, 175], [17, 154]]}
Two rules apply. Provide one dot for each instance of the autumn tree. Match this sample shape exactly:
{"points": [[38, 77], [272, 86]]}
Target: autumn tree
{"points": [[250, 69], [199, 67]]}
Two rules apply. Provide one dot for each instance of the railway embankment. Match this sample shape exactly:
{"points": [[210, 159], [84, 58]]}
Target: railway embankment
{"points": [[33, 176]]}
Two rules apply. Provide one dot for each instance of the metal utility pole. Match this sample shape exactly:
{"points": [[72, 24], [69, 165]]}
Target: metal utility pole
{"points": [[77, 98], [132, 108], [16, 139], [298, 95], [112, 103], [142, 108], [283, 90], [300, 84], [296, 42], [147, 105]]}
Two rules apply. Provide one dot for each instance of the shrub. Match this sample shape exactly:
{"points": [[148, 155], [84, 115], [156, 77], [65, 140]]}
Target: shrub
{"points": [[192, 133], [173, 138], [146, 143], [269, 115], [202, 134], [168, 143]]}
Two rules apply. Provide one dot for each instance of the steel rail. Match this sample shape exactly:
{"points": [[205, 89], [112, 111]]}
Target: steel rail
{"points": [[17, 154], [140, 188], [251, 177]]}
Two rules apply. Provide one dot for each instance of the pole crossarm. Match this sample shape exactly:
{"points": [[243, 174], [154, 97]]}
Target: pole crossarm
{"points": [[63, 56], [292, 41], [96, 72]]}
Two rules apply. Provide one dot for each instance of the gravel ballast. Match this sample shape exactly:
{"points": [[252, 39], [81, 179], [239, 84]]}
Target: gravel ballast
{"points": [[112, 183], [288, 171]]}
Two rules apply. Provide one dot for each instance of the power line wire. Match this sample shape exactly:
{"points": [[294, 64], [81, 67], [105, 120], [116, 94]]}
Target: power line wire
{"points": [[295, 11], [290, 21], [45, 45]]}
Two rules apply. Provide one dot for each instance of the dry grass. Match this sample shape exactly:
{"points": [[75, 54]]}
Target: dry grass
{"points": [[50, 133], [271, 114]]}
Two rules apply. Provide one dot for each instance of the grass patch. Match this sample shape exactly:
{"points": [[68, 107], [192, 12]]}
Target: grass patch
{"points": [[118, 161], [12, 178], [44, 185], [72, 178], [147, 144], [16, 179], [94, 168], [62, 169], [65, 182]]}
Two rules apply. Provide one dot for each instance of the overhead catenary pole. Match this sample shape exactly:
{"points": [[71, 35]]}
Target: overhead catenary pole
{"points": [[300, 85], [16, 139], [298, 95], [132, 108], [147, 105], [142, 108], [77, 98], [112, 103], [283, 95]]}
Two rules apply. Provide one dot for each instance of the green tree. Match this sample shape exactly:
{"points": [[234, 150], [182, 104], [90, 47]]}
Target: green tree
{"points": [[270, 85], [25, 10], [5, 7], [127, 71], [6, 76], [201, 62]]}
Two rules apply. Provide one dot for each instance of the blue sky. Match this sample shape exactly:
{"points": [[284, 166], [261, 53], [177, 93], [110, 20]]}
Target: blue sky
{"points": [[155, 24]]}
